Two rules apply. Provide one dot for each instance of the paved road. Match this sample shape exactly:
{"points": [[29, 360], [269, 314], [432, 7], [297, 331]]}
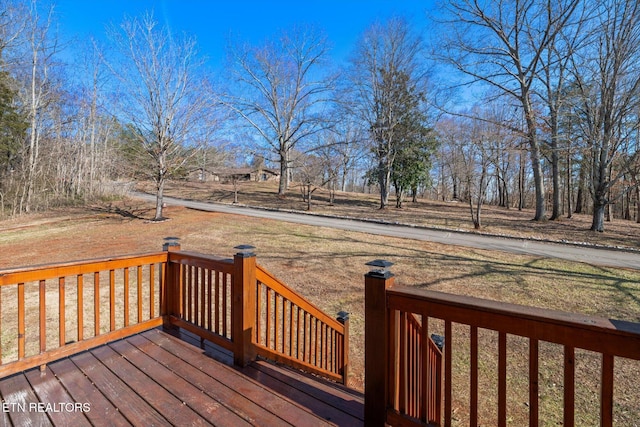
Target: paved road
{"points": [[594, 256]]}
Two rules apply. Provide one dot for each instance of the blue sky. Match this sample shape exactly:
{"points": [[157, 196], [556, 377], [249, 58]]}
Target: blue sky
{"points": [[211, 21]]}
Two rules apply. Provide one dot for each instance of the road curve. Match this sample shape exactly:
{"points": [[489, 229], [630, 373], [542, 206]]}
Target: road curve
{"points": [[590, 255]]}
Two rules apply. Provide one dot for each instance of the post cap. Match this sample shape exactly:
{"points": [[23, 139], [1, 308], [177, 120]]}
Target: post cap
{"points": [[171, 242], [380, 267], [343, 316], [245, 250]]}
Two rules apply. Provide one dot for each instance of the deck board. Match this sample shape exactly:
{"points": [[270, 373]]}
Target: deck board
{"points": [[103, 412], [48, 389], [18, 394], [147, 389], [132, 406], [191, 393], [234, 399], [161, 379], [244, 388]]}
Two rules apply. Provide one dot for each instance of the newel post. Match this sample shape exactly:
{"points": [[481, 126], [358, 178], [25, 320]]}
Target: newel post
{"points": [[243, 309], [170, 292], [376, 282], [343, 317]]}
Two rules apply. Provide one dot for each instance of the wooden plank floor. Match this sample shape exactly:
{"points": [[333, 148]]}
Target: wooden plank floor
{"points": [[157, 378]]}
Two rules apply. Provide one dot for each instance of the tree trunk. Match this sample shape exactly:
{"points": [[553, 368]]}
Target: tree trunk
{"points": [[555, 179], [159, 199], [383, 180], [638, 204], [569, 184], [521, 182], [538, 177], [599, 206], [283, 185], [536, 164]]}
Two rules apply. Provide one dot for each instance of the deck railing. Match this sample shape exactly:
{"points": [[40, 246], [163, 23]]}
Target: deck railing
{"points": [[290, 329], [242, 307], [50, 312], [396, 378], [199, 293], [110, 298]]}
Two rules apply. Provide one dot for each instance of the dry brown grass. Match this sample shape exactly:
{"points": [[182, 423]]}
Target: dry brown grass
{"points": [[449, 215], [327, 267]]}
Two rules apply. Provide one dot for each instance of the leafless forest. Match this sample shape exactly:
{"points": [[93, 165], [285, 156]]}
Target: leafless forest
{"points": [[529, 104]]}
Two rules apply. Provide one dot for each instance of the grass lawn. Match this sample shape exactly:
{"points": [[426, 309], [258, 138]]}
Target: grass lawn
{"points": [[327, 267]]}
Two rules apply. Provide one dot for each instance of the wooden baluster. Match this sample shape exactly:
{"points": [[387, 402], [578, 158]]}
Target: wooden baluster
{"points": [[96, 303], [209, 299], [21, 324], [377, 351], [268, 320], [126, 296], [284, 336], [291, 329], [473, 393], [305, 335], [61, 310], [152, 291], [217, 302], [324, 337], [448, 339], [43, 315], [202, 306], [195, 294], [276, 321], [139, 280], [184, 291], [315, 340], [299, 336], [569, 386], [402, 359], [426, 379], [1, 324], [225, 308], [188, 280], [112, 300], [606, 391], [438, 386], [533, 382], [259, 317], [502, 379], [80, 306]]}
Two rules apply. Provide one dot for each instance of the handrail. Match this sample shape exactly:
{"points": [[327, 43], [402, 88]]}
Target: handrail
{"points": [[616, 337], [52, 271], [291, 330]]}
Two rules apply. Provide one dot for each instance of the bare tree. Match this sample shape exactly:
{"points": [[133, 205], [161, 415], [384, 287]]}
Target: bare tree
{"points": [[608, 81], [387, 84], [38, 89], [500, 43], [280, 91], [162, 93], [554, 75]]}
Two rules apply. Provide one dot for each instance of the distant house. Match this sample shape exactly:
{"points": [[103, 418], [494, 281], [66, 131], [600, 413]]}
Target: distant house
{"points": [[226, 175]]}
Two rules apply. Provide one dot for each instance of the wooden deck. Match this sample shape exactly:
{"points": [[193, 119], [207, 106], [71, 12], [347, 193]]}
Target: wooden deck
{"points": [[156, 378]]}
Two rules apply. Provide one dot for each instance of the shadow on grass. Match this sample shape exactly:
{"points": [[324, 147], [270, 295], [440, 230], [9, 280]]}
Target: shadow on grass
{"points": [[530, 278], [129, 212]]}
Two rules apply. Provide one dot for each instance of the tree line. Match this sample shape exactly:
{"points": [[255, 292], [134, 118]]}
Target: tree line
{"points": [[525, 104]]}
